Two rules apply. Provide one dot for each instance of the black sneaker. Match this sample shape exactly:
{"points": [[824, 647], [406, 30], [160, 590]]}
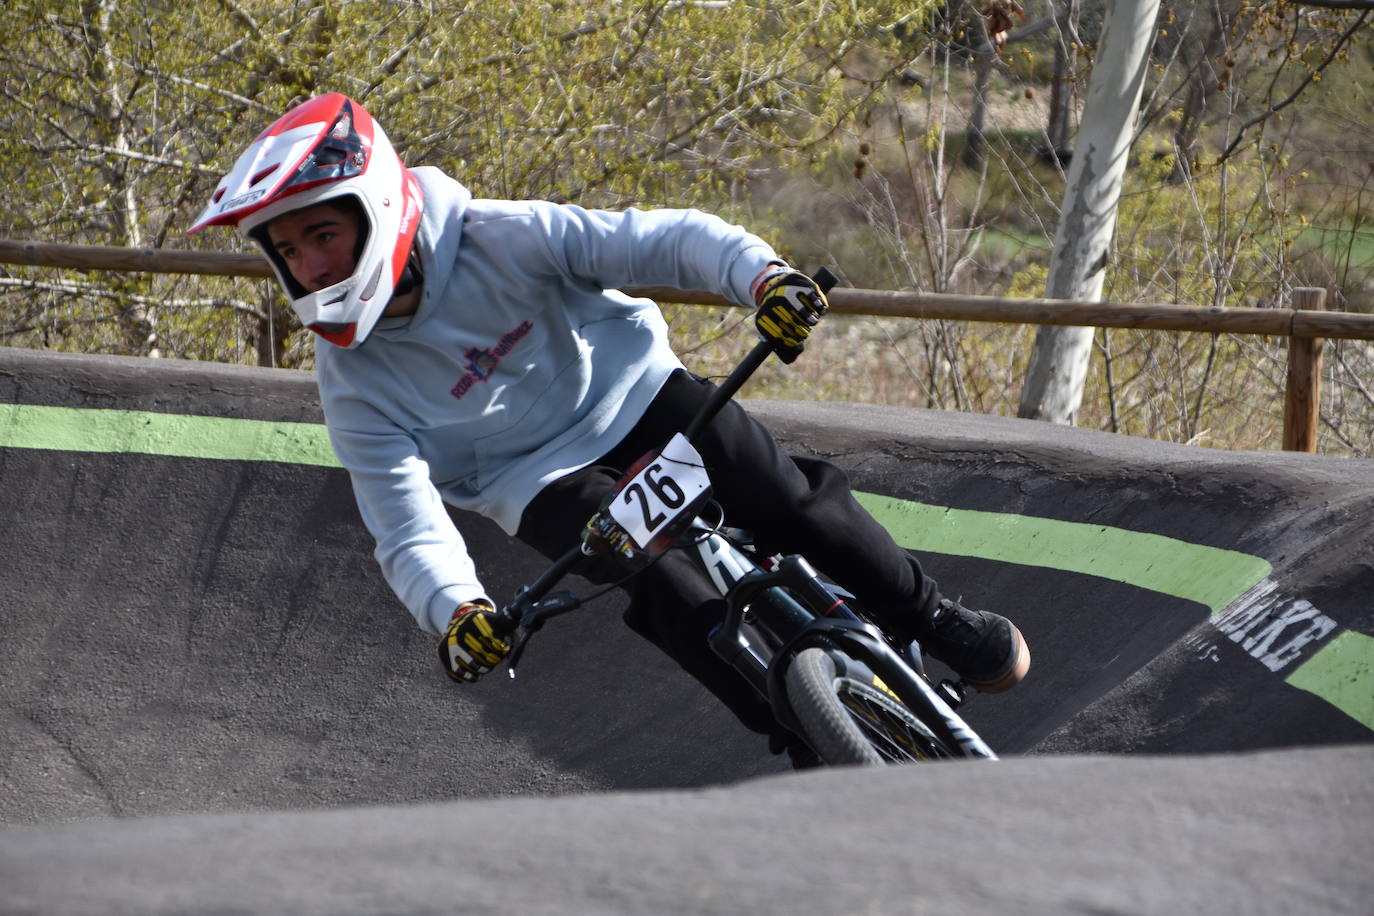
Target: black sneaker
{"points": [[983, 648]]}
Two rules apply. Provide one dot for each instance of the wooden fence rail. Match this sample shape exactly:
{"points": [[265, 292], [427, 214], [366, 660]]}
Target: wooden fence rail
{"points": [[1307, 324]]}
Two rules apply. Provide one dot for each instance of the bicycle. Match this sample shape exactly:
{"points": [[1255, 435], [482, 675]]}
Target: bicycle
{"points": [[831, 675]]}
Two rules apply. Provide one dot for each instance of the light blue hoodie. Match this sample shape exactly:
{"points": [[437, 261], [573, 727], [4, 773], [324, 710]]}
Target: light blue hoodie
{"points": [[521, 365]]}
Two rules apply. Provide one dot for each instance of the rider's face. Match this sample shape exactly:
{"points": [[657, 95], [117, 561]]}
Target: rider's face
{"points": [[317, 244]]}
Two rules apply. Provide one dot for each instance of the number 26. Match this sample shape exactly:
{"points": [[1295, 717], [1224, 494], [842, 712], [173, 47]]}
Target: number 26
{"points": [[664, 489]]}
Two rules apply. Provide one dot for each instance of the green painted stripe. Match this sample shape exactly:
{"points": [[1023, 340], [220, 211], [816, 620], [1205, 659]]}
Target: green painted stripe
{"points": [[1208, 575], [1342, 674], [84, 430]]}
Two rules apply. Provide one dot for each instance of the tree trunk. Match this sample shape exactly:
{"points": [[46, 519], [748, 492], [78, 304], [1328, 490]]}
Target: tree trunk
{"points": [[137, 321], [1059, 360]]}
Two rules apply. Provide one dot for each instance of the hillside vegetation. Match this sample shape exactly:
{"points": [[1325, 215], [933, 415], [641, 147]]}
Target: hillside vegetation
{"points": [[902, 144]]}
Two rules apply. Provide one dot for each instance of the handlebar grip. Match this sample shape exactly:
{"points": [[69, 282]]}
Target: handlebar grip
{"points": [[825, 280], [503, 623]]}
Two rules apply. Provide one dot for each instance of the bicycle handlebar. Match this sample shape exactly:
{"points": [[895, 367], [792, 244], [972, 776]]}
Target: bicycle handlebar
{"points": [[733, 382]]}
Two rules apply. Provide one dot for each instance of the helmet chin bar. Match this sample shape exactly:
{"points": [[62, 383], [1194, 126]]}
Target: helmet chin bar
{"points": [[340, 335], [344, 334]]}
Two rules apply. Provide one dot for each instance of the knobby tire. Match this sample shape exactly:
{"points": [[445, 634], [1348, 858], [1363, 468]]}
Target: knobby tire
{"points": [[852, 722]]}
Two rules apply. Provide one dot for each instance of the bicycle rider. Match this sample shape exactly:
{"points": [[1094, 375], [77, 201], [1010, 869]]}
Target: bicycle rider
{"points": [[476, 352]]}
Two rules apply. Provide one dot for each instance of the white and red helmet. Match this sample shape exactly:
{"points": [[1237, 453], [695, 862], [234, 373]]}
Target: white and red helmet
{"points": [[325, 149]]}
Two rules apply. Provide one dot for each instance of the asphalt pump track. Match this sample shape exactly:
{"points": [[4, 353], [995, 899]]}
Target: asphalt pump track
{"points": [[213, 704]]}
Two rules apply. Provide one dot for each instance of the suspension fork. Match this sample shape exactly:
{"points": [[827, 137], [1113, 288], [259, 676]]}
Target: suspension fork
{"points": [[747, 645], [766, 611]]}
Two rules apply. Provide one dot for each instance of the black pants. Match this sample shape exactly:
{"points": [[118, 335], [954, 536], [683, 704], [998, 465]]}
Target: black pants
{"points": [[791, 505]]}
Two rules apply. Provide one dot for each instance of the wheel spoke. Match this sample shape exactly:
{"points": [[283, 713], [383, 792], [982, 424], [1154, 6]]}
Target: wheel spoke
{"points": [[892, 730], [849, 720]]}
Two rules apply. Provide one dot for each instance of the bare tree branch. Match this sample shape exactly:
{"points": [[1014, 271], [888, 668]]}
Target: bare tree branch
{"points": [[202, 87], [152, 160], [91, 289], [1338, 4], [1292, 97]]}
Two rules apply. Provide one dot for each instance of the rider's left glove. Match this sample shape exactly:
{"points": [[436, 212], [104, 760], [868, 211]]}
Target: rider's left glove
{"points": [[471, 645], [790, 304]]}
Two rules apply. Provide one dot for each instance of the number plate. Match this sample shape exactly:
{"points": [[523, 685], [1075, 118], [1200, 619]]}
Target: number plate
{"points": [[663, 491]]}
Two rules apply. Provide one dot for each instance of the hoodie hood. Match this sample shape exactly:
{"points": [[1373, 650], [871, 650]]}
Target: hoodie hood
{"points": [[436, 242]]}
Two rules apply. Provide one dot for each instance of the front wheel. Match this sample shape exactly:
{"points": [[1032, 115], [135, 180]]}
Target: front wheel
{"points": [[850, 721]]}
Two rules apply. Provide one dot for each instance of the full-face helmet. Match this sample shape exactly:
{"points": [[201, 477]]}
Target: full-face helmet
{"points": [[327, 149]]}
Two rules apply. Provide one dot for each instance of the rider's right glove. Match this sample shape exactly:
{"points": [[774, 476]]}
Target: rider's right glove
{"points": [[790, 305], [470, 646]]}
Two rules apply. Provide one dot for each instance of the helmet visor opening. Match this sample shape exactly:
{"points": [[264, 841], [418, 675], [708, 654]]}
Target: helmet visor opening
{"points": [[340, 154], [345, 203]]}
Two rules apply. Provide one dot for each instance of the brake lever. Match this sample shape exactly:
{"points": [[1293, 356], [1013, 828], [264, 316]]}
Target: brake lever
{"points": [[533, 617], [517, 652]]}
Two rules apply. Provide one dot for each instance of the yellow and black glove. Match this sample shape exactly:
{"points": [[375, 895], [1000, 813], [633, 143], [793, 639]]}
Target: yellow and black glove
{"points": [[473, 644], [790, 304]]}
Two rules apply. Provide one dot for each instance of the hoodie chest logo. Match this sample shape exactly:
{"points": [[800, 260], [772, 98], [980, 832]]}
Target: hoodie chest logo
{"points": [[482, 361]]}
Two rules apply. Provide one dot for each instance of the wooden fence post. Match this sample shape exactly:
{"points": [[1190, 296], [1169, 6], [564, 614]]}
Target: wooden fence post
{"points": [[1303, 395]]}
